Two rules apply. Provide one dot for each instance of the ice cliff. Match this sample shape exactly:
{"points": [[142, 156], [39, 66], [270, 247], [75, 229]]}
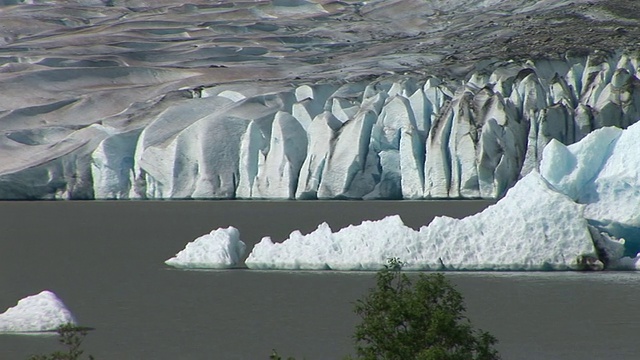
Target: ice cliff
{"points": [[303, 99], [390, 138], [400, 138]]}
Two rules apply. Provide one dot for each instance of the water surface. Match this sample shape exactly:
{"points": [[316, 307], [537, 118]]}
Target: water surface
{"points": [[105, 260]]}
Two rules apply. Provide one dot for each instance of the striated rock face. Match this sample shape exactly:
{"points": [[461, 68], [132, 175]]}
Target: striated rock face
{"points": [[302, 99]]}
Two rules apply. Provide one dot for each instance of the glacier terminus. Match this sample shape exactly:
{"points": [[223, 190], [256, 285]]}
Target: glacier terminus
{"points": [[387, 139], [302, 99]]}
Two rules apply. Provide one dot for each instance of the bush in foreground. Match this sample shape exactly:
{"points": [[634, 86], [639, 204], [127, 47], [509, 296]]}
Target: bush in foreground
{"points": [[424, 321], [71, 336], [401, 320]]}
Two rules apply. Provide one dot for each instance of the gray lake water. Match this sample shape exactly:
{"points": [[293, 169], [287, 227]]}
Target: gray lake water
{"points": [[105, 261]]}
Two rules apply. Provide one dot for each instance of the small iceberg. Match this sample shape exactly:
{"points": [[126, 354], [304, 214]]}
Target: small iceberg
{"points": [[37, 313], [220, 249]]}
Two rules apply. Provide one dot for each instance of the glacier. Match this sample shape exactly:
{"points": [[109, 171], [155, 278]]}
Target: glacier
{"points": [[221, 248], [302, 99], [36, 313], [387, 139], [570, 215]]}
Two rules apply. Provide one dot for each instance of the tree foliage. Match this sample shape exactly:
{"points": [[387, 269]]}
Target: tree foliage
{"points": [[275, 356], [424, 321], [71, 336]]}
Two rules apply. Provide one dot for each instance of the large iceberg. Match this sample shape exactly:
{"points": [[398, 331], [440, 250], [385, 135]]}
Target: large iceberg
{"points": [[221, 248], [570, 216], [603, 172], [517, 233], [36, 313]]}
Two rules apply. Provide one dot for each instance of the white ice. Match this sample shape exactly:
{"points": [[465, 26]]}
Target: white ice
{"points": [[531, 228], [586, 199], [36, 313], [603, 172], [324, 109], [222, 248]]}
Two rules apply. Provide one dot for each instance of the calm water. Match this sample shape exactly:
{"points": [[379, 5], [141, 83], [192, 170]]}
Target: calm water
{"points": [[105, 260]]}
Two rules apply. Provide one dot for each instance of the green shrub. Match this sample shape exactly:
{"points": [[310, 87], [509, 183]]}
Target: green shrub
{"points": [[71, 336], [424, 321], [275, 356]]}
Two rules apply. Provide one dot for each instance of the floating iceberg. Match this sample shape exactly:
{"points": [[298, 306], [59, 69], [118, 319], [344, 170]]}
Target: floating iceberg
{"points": [[36, 313], [603, 172], [531, 228], [222, 248], [560, 219]]}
